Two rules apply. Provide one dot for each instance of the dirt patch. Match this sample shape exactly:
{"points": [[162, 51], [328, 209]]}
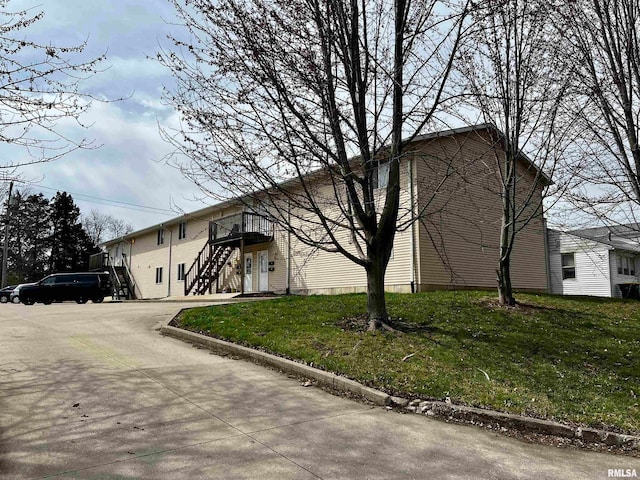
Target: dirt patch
{"points": [[357, 323], [524, 308], [360, 323]]}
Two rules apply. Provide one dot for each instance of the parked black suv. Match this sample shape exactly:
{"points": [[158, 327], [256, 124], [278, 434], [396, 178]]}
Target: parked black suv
{"points": [[68, 286]]}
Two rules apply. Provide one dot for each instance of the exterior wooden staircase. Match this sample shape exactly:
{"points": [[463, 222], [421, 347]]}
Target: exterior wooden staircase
{"points": [[124, 286], [226, 235], [206, 269]]}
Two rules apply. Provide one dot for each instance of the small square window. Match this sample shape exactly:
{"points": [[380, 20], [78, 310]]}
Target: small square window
{"points": [[568, 266], [158, 274], [181, 272], [182, 230], [381, 176]]}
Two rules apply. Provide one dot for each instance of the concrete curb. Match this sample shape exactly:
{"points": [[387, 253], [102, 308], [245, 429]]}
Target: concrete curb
{"points": [[324, 378], [194, 300], [497, 420], [447, 411]]}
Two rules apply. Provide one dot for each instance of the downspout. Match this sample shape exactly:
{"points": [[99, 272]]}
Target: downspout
{"points": [[170, 253], [130, 266], [547, 260], [412, 265]]}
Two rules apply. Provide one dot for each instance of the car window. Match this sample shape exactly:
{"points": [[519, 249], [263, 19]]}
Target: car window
{"points": [[49, 281], [64, 279], [86, 279]]}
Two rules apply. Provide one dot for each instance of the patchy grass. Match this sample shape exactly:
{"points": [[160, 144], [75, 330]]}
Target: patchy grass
{"points": [[573, 360]]}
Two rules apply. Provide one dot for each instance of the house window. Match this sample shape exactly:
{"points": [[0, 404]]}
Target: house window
{"points": [[568, 266], [181, 272], [381, 176], [158, 274], [161, 236], [626, 265], [182, 230]]}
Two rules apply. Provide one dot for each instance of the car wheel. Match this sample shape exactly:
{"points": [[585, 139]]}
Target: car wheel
{"points": [[28, 301], [47, 302], [81, 300], [3, 299], [16, 299], [97, 300]]}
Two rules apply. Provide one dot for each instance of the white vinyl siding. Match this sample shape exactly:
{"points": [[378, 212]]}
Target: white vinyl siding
{"points": [[592, 272]]}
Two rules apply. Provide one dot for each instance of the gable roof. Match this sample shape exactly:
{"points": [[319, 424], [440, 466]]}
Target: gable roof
{"points": [[429, 136], [494, 130], [623, 237]]}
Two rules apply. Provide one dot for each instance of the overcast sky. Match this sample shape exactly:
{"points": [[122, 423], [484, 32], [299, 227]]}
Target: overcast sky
{"points": [[128, 166]]}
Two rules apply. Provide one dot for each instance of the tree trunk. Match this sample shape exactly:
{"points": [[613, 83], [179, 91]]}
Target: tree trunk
{"points": [[505, 290], [376, 305]]}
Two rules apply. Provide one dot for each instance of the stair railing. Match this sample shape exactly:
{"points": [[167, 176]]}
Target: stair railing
{"points": [[192, 276], [131, 281]]}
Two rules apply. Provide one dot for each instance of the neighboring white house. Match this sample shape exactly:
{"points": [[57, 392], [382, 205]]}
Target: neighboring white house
{"points": [[594, 261]]}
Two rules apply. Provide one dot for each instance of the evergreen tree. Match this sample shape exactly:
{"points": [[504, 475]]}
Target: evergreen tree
{"points": [[69, 243], [37, 221], [29, 232]]}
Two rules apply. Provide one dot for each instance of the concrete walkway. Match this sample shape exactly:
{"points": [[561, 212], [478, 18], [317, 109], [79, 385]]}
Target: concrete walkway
{"points": [[94, 392]]}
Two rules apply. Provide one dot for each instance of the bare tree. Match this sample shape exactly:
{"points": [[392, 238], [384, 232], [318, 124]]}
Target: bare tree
{"points": [[39, 86], [602, 40], [103, 226], [518, 82], [299, 104]]}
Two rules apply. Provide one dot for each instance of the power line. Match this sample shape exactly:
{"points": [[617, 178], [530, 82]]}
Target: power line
{"points": [[104, 201]]}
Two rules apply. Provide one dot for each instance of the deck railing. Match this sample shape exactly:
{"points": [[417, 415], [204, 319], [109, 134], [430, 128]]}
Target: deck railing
{"points": [[241, 223], [99, 261]]}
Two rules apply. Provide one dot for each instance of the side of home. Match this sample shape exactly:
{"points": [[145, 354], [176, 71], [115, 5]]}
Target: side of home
{"points": [[448, 178], [588, 263]]}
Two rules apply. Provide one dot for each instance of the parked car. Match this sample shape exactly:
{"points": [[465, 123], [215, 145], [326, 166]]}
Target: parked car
{"points": [[14, 296], [60, 287], [5, 293]]}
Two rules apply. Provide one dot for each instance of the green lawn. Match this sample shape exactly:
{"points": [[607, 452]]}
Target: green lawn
{"points": [[566, 359]]}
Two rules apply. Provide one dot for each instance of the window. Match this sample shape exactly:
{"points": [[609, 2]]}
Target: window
{"points": [[182, 230], [568, 266], [626, 265], [381, 176], [181, 272], [158, 274], [161, 236]]}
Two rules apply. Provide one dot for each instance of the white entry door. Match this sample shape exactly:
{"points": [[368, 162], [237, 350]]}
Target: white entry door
{"points": [[263, 265], [248, 272]]}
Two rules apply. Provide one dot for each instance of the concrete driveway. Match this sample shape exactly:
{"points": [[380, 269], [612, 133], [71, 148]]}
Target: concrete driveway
{"points": [[94, 392]]}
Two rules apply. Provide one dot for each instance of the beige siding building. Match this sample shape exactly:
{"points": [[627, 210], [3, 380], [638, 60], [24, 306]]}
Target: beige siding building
{"points": [[448, 179]]}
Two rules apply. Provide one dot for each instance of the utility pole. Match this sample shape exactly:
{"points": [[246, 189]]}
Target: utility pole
{"points": [[5, 248]]}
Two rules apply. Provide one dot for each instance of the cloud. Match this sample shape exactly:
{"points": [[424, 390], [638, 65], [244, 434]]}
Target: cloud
{"points": [[128, 167]]}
